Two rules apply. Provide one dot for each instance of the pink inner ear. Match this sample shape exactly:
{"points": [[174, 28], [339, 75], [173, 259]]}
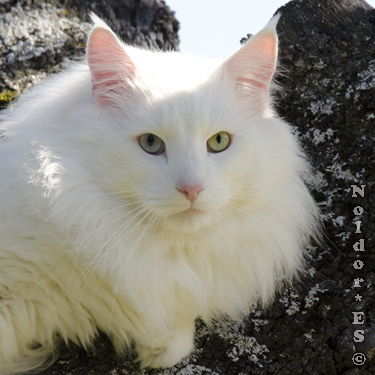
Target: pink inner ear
{"points": [[110, 66], [252, 82], [254, 64]]}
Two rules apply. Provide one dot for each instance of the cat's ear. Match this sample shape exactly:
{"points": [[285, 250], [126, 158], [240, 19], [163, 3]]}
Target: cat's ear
{"points": [[252, 67], [111, 68]]}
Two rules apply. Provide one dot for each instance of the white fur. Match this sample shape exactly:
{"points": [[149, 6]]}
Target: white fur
{"points": [[95, 235]]}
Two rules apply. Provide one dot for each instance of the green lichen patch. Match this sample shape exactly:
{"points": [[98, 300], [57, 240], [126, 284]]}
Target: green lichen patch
{"points": [[7, 96]]}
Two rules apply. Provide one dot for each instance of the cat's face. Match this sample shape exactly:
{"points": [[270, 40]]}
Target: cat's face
{"points": [[184, 163], [189, 143]]}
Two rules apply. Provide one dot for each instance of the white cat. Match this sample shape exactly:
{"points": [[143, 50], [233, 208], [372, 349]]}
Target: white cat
{"points": [[141, 190]]}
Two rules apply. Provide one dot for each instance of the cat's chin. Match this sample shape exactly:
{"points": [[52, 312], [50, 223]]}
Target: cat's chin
{"points": [[189, 220]]}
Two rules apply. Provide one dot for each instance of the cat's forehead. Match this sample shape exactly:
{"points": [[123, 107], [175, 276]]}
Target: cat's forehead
{"points": [[195, 115], [172, 70]]}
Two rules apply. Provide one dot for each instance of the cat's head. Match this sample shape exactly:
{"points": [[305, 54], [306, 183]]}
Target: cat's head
{"points": [[192, 141]]}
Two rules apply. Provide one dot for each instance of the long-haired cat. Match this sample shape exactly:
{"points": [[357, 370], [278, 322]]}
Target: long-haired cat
{"points": [[141, 190]]}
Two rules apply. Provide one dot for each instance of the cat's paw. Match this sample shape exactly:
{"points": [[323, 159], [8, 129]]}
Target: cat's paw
{"points": [[169, 351], [159, 357], [165, 356]]}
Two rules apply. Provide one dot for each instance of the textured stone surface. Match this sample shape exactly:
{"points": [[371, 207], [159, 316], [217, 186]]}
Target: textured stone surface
{"points": [[328, 58], [39, 37]]}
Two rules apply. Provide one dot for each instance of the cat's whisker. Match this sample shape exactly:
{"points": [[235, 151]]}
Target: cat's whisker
{"points": [[134, 227], [318, 234], [161, 214], [273, 211], [96, 260], [158, 217], [231, 209], [251, 194], [112, 209], [98, 229], [109, 223], [253, 198], [163, 229], [254, 212], [106, 202], [239, 209], [144, 231], [152, 223], [87, 197], [101, 255], [267, 207], [113, 234]]}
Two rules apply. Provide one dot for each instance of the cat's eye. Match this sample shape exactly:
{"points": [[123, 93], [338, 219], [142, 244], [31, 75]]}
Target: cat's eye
{"points": [[152, 144], [218, 142]]}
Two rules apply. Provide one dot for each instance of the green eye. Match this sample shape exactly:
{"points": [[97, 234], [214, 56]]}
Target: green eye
{"points": [[152, 144], [218, 142]]}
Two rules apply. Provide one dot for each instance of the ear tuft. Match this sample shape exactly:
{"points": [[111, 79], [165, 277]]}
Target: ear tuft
{"points": [[98, 22], [111, 67], [252, 67]]}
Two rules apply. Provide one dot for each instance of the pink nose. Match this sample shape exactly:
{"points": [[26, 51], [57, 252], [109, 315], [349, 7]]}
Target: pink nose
{"points": [[190, 191]]}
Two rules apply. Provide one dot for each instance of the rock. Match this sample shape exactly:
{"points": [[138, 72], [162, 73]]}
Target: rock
{"points": [[327, 59], [40, 37]]}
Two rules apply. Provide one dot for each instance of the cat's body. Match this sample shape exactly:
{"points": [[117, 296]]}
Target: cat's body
{"points": [[98, 231]]}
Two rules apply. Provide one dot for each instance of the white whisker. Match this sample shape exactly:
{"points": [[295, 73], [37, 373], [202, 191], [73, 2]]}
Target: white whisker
{"points": [[100, 254], [272, 210], [113, 234], [89, 198]]}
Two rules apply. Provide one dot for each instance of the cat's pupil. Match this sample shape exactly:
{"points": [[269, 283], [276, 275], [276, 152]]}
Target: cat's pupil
{"points": [[150, 140], [218, 138]]}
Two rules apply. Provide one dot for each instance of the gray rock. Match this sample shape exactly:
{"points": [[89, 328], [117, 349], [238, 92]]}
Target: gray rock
{"points": [[40, 37], [327, 56]]}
